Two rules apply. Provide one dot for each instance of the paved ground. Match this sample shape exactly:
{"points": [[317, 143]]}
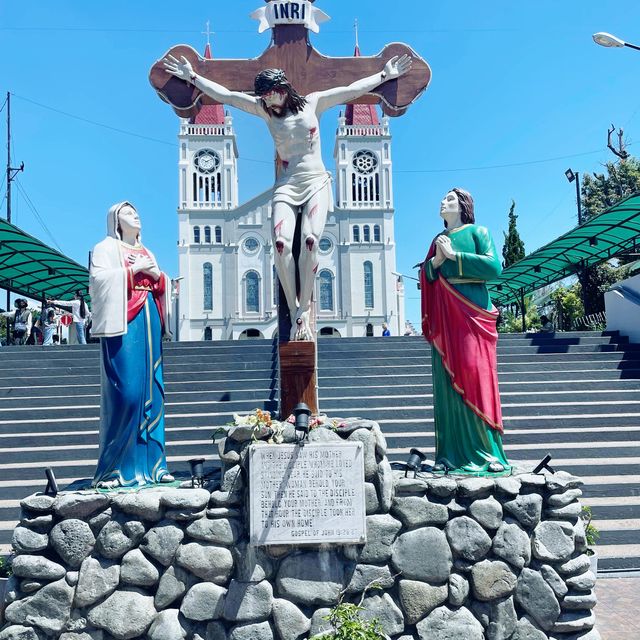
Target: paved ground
{"points": [[617, 608]]}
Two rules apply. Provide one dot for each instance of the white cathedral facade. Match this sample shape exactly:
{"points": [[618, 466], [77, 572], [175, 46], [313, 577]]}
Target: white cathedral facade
{"points": [[227, 281]]}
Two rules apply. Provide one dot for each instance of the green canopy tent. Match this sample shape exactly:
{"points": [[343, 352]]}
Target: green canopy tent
{"points": [[31, 268], [614, 231]]}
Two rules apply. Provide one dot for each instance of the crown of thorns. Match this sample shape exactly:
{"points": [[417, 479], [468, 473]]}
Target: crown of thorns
{"points": [[268, 80]]}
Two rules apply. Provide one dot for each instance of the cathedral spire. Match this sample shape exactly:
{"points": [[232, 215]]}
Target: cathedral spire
{"points": [[210, 113], [360, 114]]}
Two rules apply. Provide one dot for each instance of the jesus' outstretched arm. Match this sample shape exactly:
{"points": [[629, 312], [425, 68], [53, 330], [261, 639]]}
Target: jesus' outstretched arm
{"points": [[395, 67], [183, 70]]}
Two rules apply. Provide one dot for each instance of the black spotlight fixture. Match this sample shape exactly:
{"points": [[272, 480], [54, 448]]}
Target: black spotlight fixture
{"points": [[414, 462], [544, 464], [52, 485], [197, 472], [302, 414]]}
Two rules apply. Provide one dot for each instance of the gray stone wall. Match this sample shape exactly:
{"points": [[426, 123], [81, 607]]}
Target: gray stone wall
{"points": [[450, 558]]}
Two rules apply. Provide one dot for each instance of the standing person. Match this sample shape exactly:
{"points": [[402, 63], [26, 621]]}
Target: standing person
{"points": [[130, 297], [385, 330], [22, 321], [302, 182], [547, 325], [79, 311], [459, 321], [49, 326]]}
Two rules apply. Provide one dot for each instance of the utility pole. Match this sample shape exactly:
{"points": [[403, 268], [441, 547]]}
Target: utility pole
{"points": [[12, 172]]}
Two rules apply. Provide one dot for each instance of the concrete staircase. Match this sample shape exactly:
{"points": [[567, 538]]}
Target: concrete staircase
{"points": [[574, 395]]}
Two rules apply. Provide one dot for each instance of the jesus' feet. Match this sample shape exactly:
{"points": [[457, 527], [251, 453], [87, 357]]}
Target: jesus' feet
{"points": [[301, 329]]}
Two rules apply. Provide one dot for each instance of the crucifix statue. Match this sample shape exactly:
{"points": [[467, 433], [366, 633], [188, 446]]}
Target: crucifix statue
{"points": [[289, 86]]}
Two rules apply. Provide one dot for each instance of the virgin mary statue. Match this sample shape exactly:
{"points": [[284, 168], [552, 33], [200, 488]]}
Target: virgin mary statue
{"points": [[130, 300]]}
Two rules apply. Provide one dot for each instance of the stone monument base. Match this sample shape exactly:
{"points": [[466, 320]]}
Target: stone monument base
{"points": [[445, 558]]}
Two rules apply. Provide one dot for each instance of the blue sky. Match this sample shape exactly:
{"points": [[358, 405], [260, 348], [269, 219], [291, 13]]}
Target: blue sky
{"points": [[519, 93]]}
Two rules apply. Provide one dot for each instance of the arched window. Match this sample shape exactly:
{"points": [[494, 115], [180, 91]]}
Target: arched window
{"points": [[252, 292], [207, 235], [325, 279], [196, 235], [207, 286], [356, 233], [218, 235], [208, 334], [366, 233], [368, 285], [376, 233]]}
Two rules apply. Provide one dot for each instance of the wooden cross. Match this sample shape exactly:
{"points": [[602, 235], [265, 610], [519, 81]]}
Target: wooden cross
{"points": [[305, 68], [307, 71]]}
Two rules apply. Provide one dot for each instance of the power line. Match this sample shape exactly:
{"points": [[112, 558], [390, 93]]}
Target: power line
{"points": [[499, 166], [447, 170], [111, 128], [36, 213], [134, 30], [119, 30], [95, 123]]}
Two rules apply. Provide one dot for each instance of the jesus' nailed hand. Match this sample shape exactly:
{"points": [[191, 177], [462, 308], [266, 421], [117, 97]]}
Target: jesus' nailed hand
{"points": [[302, 184]]}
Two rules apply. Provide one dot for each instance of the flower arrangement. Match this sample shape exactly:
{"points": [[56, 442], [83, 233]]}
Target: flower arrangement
{"points": [[262, 424], [267, 429], [317, 421]]}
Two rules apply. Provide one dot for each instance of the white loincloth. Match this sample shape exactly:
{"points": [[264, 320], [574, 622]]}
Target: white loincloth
{"points": [[299, 188]]}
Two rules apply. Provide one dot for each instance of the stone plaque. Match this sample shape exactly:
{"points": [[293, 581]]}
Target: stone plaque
{"points": [[307, 494]]}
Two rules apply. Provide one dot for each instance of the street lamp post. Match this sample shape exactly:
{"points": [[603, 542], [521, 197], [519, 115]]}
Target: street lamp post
{"points": [[175, 290], [575, 177], [605, 39]]}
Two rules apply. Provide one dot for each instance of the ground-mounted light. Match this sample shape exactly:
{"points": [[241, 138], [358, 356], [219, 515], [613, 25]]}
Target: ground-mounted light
{"points": [[52, 486], [544, 464], [197, 472], [301, 413], [414, 462]]}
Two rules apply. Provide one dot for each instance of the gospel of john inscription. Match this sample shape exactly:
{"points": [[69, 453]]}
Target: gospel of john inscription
{"points": [[307, 495]]}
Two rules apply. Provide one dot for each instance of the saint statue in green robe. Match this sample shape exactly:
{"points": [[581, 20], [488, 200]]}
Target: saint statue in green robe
{"points": [[459, 321]]}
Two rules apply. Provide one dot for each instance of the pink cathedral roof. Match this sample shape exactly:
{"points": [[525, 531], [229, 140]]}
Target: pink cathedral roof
{"points": [[209, 113], [361, 113]]}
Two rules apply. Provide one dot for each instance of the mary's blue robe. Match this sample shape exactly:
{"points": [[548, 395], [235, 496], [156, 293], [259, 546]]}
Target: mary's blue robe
{"points": [[132, 435]]}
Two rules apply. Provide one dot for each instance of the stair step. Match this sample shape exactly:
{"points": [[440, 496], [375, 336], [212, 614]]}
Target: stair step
{"points": [[572, 394]]}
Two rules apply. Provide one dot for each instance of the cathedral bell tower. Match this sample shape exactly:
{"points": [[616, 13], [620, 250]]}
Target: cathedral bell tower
{"points": [[208, 159], [372, 293], [208, 196], [363, 159]]}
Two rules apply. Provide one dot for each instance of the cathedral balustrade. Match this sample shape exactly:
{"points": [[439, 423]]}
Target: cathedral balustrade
{"points": [[204, 130], [363, 130]]}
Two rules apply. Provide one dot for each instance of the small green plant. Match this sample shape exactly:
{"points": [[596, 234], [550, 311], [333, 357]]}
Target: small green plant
{"points": [[348, 625], [591, 531], [5, 567]]}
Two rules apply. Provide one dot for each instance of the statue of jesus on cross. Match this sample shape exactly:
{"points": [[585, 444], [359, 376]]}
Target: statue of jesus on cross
{"points": [[302, 182]]}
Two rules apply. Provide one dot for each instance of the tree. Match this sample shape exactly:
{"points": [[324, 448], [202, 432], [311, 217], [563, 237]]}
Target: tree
{"points": [[599, 192], [513, 249], [595, 282], [511, 322], [568, 306]]}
